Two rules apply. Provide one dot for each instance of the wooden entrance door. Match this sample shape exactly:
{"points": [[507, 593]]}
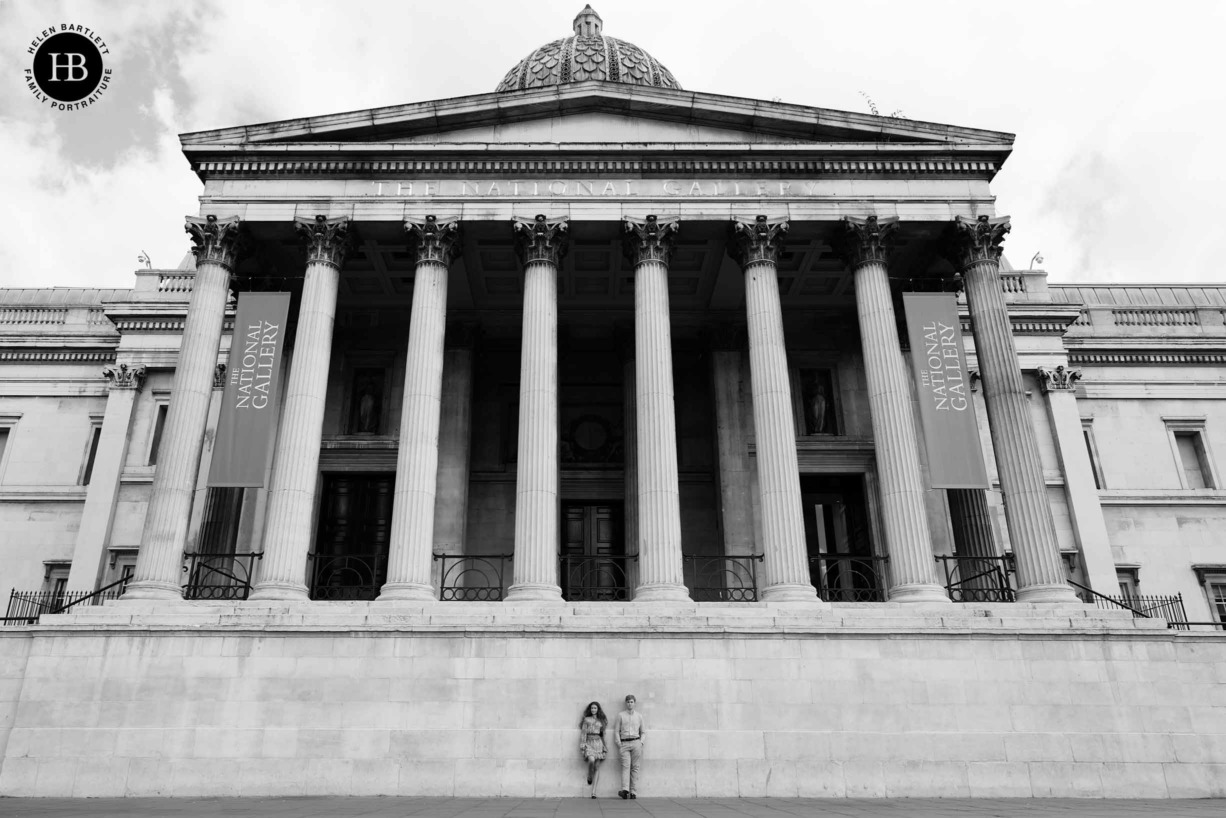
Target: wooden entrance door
{"points": [[593, 552], [355, 520]]}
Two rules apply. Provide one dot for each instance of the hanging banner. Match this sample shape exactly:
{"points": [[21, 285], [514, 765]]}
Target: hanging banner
{"points": [[955, 457], [249, 402]]}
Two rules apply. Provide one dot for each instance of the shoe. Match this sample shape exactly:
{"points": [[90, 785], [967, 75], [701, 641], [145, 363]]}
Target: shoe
{"points": [[623, 794], [589, 779], [632, 795], [593, 796]]}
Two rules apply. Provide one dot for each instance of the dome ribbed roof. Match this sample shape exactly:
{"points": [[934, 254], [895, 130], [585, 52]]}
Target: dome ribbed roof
{"points": [[588, 55]]}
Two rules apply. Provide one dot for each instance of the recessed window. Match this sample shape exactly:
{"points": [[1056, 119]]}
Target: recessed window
{"points": [[1087, 432], [1190, 447], [4, 444], [91, 453], [159, 424], [1217, 600]]}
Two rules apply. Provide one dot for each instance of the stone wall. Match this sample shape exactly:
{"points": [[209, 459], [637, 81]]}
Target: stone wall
{"points": [[484, 700]]}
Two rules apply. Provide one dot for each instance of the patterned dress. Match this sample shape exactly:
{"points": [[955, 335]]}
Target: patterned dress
{"points": [[592, 735]]}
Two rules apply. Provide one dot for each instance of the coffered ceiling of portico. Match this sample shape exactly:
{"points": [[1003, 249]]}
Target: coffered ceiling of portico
{"points": [[595, 282]]}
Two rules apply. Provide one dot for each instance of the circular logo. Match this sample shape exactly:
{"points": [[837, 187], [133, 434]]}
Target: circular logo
{"points": [[68, 67]]}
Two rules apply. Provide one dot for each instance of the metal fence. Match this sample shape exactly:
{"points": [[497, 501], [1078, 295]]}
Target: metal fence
{"points": [[476, 578], [845, 578], [347, 577], [25, 607], [722, 578], [978, 579], [595, 579], [219, 576]]}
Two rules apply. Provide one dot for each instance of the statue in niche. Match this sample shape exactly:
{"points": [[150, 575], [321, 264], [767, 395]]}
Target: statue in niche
{"points": [[366, 404], [818, 394]]}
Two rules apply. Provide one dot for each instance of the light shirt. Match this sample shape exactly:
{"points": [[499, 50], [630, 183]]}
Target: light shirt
{"points": [[628, 725]]}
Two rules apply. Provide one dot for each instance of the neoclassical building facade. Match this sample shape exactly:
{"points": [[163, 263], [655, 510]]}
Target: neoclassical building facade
{"points": [[595, 378]]}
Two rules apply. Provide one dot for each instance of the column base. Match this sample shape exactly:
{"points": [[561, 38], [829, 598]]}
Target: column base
{"points": [[662, 593], [407, 592], [151, 591], [919, 592], [279, 592], [1054, 593], [532, 592], [793, 593]]}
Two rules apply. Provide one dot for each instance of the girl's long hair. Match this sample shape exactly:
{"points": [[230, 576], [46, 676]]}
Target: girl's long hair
{"points": [[587, 711]]}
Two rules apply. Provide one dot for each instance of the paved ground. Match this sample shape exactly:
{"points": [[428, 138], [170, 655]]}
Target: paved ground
{"points": [[586, 808]]}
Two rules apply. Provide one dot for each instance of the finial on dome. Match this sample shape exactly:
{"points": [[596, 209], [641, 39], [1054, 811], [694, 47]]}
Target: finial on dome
{"points": [[588, 23]]}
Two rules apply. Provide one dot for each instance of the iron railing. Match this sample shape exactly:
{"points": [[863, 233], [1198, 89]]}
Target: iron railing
{"points": [[219, 576], [1187, 626], [846, 578], [1168, 608], [25, 607], [344, 577], [595, 579], [475, 578], [978, 579], [722, 578]]}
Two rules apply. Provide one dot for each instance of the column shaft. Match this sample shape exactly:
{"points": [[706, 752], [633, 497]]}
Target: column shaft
{"points": [[897, 449], [783, 528], [659, 512], [99, 511], [159, 565], [295, 473], [455, 432], [979, 573], [735, 485], [536, 487], [1040, 572], [410, 561]]}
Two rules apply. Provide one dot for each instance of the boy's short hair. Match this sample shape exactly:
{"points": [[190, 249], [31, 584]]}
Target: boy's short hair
{"points": [[630, 698]]}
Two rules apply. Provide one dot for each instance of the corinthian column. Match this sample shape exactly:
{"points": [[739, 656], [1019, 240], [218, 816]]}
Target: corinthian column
{"points": [[864, 248], [159, 563], [975, 249], [287, 537], [756, 245], [434, 245], [540, 244], [648, 245]]}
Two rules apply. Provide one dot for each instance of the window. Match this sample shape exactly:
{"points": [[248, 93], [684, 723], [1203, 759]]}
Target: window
{"points": [[91, 452], [7, 422], [1217, 600], [1096, 468], [1212, 579], [1192, 460], [1190, 448], [159, 424], [55, 579], [1129, 580]]}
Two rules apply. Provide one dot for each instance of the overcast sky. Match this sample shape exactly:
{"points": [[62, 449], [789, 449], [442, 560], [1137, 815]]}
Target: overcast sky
{"points": [[1116, 106]]}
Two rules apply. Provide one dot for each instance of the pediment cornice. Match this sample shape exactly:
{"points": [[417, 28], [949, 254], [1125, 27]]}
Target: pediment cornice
{"points": [[382, 127]]}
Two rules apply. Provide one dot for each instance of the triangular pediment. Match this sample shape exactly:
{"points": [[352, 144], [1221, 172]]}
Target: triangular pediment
{"points": [[595, 113]]}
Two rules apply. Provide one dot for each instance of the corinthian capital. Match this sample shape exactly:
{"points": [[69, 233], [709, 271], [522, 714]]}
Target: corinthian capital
{"points": [[864, 240], [328, 241], [759, 240], [433, 240], [541, 239], [975, 241], [1058, 379], [649, 239], [215, 240], [123, 376]]}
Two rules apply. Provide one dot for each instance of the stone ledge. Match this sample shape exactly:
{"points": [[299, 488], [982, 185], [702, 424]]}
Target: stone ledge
{"points": [[585, 619]]}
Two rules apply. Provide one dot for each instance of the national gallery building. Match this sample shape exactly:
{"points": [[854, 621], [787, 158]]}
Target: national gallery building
{"points": [[461, 414]]}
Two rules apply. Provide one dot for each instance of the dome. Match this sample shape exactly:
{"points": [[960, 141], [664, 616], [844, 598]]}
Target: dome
{"points": [[588, 55]]}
